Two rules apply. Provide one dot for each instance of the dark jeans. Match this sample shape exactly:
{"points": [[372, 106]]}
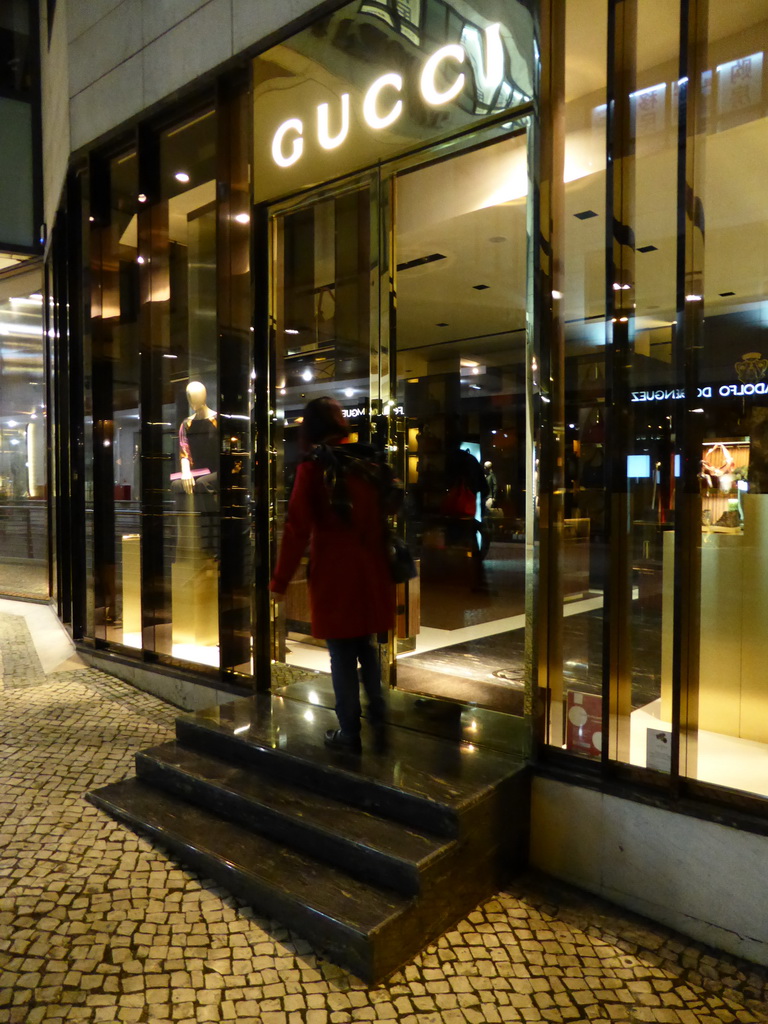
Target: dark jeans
{"points": [[345, 656]]}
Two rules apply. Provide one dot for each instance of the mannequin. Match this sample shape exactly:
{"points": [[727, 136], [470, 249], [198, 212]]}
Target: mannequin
{"points": [[199, 460], [194, 572], [198, 438]]}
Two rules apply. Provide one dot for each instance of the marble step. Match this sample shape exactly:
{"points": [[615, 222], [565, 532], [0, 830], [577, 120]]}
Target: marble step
{"points": [[370, 848], [425, 781], [434, 716], [350, 922]]}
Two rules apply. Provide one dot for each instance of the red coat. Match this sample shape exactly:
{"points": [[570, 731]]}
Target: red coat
{"points": [[351, 592]]}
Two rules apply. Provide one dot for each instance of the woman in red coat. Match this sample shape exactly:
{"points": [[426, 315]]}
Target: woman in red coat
{"points": [[338, 510]]}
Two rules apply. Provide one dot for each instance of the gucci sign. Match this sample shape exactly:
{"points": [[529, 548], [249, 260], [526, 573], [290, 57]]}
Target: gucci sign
{"points": [[382, 104]]}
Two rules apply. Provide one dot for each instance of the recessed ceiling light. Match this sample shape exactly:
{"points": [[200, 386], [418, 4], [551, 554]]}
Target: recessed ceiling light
{"points": [[441, 325], [724, 295], [181, 176], [648, 248], [585, 214], [498, 238], [480, 287]]}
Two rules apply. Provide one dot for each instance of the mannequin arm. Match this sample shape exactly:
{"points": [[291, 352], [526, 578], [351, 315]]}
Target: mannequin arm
{"points": [[187, 480]]}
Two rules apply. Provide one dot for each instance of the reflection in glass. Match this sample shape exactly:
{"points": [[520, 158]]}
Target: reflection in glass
{"points": [[185, 353], [322, 313], [576, 700], [460, 250], [23, 522], [114, 494], [729, 431]]}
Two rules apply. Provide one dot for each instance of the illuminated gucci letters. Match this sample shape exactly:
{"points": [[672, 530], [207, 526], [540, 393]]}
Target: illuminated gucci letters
{"points": [[382, 103]]}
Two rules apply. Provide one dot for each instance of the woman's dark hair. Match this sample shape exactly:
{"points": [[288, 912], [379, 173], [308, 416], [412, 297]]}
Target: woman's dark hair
{"points": [[323, 421]]}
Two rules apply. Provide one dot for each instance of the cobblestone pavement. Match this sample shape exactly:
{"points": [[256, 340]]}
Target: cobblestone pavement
{"points": [[96, 924]]}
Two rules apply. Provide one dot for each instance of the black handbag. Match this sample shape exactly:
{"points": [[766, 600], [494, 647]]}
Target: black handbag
{"points": [[402, 567]]}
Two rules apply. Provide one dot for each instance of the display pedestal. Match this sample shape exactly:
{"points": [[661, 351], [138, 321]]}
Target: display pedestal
{"points": [[194, 589], [131, 583], [734, 641]]}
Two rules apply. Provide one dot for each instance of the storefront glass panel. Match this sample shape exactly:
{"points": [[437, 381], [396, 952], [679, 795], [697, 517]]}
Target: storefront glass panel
{"points": [[729, 436], [23, 451], [575, 700], [114, 478], [643, 303], [459, 351], [182, 430], [325, 321]]}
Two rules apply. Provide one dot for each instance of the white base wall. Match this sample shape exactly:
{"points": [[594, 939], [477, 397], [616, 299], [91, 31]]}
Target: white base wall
{"points": [[705, 880], [182, 693]]}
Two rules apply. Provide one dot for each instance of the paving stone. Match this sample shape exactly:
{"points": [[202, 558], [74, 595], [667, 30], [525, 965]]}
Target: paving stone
{"points": [[97, 925]]}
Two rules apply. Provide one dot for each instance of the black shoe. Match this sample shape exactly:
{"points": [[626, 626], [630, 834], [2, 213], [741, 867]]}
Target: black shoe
{"points": [[337, 740]]}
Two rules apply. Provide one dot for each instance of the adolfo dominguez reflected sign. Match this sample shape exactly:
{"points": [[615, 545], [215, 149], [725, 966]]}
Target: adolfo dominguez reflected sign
{"points": [[709, 391], [750, 369], [375, 79]]}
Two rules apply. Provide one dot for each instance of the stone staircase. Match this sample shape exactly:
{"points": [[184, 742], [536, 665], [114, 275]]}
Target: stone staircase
{"points": [[368, 857]]}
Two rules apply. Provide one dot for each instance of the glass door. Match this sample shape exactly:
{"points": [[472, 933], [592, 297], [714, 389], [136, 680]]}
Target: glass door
{"points": [[325, 326], [460, 242]]}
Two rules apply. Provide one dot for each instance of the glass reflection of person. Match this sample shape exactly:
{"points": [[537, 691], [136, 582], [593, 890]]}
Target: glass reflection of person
{"points": [[336, 508], [466, 482], [198, 456], [492, 485]]}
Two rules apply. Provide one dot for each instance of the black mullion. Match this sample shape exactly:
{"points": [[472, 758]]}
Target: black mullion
{"points": [[264, 366]]}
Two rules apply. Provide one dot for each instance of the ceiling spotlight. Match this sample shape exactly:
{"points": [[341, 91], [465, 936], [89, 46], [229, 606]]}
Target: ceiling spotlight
{"points": [[141, 197], [182, 176], [307, 375], [349, 392], [242, 218]]}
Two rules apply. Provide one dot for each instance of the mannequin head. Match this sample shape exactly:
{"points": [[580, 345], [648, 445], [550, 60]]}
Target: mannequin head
{"points": [[487, 466], [196, 395]]}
